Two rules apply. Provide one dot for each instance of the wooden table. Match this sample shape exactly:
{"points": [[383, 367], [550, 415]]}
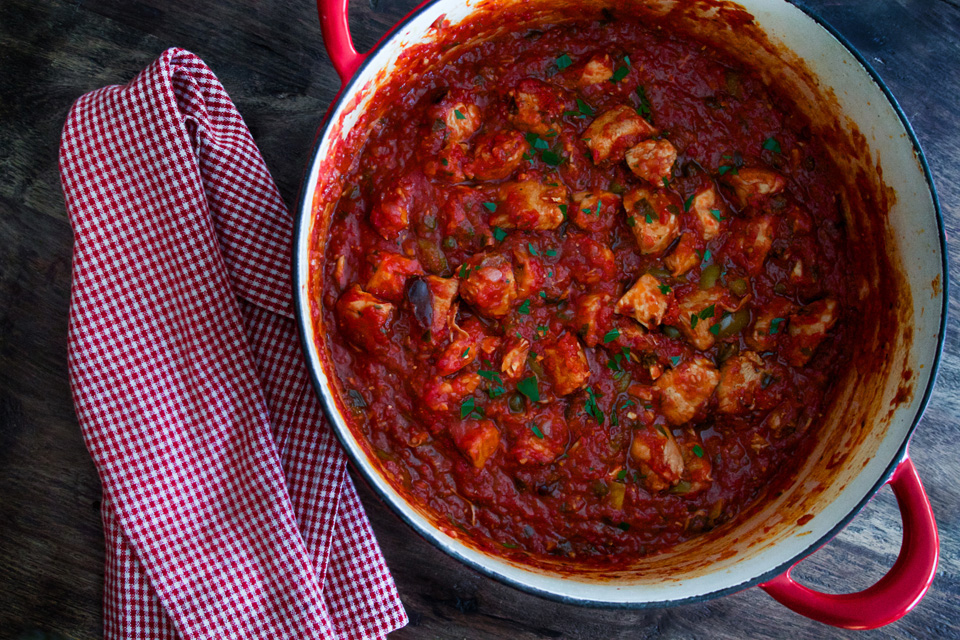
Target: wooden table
{"points": [[270, 57]]}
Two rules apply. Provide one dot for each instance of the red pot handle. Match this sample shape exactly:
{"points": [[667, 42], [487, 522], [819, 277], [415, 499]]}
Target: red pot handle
{"points": [[897, 592], [335, 26]]}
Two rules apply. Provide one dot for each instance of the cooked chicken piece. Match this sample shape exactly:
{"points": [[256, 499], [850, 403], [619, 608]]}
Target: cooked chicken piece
{"points": [[530, 205], [592, 317], [590, 262], [685, 390], [365, 319], [594, 211], [751, 241], [477, 440], [390, 276], [566, 364], [613, 132], [753, 185], [430, 299], [538, 105], [740, 379], [658, 456], [464, 345], [442, 395], [684, 255], [528, 271], [462, 120], [645, 302], [807, 329], [541, 437], [699, 310], [496, 155], [697, 470], [707, 207], [653, 218], [391, 214], [652, 160], [598, 69], [770, 324], [515, 358], [487, 283]]}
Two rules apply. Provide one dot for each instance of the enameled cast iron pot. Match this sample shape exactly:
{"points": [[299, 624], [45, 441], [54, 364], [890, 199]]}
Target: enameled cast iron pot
{"points": [[863, 443]]}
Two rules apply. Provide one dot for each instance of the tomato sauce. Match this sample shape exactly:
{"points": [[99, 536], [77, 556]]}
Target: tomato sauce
{"points": [[586, 290]]}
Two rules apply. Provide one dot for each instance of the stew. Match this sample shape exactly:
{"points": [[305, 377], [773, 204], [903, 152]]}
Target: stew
{"points": [[586, 290]]}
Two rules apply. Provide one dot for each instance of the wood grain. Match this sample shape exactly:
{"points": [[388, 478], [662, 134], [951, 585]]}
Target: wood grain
{"points": [[270, 57]]}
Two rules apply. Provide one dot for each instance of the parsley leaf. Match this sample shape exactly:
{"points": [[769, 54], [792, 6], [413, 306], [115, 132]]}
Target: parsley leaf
{"points": [[644, 109], [591, 406], [532, 249], [698, 451], [524, 308], [620, 74], [694, 319], [459, 115], [499, 234], [675, 360], [611, 335], [551, 158], [687, 203], [563, 62], [468, 408], [709, 312], [490, 206], [664, 289], [536, 430], [771, 144], [529, 388], [551, 252], [585, 109], [716, 214], [775, 325]]}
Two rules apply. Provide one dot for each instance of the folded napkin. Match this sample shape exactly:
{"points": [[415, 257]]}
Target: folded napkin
{"points": [[227, 510]]}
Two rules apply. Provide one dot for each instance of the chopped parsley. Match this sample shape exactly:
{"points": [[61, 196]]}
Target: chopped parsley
{"points": [[490, 206], [532, 249], [775, 325], [541, 330], [709, 312], [524, 308], [563, 62], [499, 234], [465, 353], [687, 203], [529, 388], [620, 73], [666, 182], [591, 406], [728, 168], [611, 335], [536, 430], [716, 214], [644, 109], [771, 144], [444, 162], [550, 252], [584, 108], [551, 158], [648, 217], [698, 451], [622, 474], [563, 209], [715, 329], [664, 289], [469, 409], [459, 115], [694, 320]]}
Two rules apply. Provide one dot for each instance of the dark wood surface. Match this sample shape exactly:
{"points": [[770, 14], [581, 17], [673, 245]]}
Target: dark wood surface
{"points": [[270, 57]]}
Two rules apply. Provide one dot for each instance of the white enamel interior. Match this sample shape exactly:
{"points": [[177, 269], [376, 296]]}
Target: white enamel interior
{"points": [[913, 222]]}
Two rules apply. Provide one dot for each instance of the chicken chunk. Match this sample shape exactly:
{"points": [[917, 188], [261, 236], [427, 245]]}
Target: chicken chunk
{"points": [[653, 216], [770, 324], [443, 395], [462, 120], [706, 207], [464, 346], [658, 457], [613, 132], [390, 276], [697, 470], [597, 69], [595, 211], [700, 310], [808, 327], [685, 390], [477, 440], [496, 155], [590, 262], [536, 105], [430, 299], [391, 213], [740, 379], [365, 319], [515, 358], [645, 302], [652, 160], [751, 241], [528, 270], [684, 256], [530, 205], [488, 285], [540, 437], [593, 317], [566, 364], [753, 185]]}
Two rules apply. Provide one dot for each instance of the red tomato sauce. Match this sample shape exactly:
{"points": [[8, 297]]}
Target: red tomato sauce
{"points": [[586, 290]]}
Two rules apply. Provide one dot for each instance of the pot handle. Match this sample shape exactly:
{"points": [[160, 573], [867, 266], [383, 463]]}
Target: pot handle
{"points": [[335, 26], [897, 592]]}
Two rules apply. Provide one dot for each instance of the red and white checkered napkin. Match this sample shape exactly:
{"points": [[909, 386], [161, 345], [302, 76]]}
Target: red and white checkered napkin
{"points": [[226, 506]]}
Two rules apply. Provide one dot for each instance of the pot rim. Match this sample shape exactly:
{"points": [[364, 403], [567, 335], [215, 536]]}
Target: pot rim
{"points": [[304, 212]]}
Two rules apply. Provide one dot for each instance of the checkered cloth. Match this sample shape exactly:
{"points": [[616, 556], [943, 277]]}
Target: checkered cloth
{"points": [[226, 507]]}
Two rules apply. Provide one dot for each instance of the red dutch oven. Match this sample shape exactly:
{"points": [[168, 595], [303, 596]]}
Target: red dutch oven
{"points": [[849, 465]]}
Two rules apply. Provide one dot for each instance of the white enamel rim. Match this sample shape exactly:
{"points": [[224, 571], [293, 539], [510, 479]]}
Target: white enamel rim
{"points": [[923, 249]]}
